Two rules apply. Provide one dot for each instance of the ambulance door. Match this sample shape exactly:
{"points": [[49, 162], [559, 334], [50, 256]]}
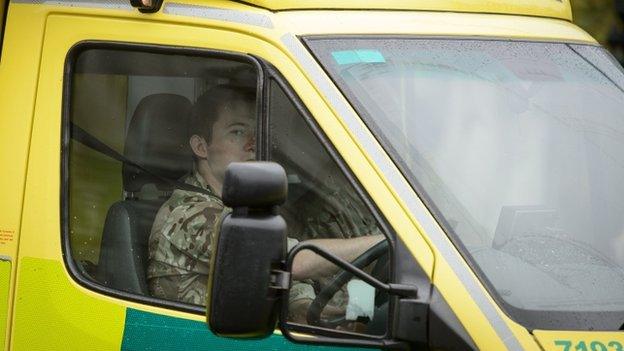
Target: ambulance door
{"points": [[113, 99]]}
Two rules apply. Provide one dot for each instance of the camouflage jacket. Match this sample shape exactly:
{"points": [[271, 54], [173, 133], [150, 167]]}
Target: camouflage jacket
{"points": [[182, 233], [180, 244]]}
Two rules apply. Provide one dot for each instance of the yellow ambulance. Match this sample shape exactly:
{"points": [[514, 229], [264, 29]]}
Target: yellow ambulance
{"points": [[482, 143]]}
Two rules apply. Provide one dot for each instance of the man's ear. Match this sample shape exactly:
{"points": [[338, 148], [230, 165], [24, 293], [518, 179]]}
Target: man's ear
{"points": [[199, 146]]}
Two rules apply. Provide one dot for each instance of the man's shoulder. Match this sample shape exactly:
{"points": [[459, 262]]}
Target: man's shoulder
{"points": [[187, 204], [188, 198], [184, 204]]}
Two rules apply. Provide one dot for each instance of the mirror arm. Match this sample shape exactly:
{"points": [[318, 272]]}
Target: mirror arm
{"points": [[401, 290], [280, 280], [342, 339]]}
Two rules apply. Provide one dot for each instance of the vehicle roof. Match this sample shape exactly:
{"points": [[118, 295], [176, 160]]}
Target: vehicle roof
{"points": [[429, 24], [541, 8]]}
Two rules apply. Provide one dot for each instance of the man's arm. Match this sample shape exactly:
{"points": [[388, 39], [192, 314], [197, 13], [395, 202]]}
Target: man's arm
{"points": [[308, 265]]}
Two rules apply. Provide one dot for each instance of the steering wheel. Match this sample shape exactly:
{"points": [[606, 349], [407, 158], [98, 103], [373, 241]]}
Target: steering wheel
{"points": [[378, 251]]}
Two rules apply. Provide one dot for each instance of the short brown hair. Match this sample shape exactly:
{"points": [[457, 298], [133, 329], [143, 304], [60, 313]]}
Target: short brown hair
{"points": [[206, 109]]}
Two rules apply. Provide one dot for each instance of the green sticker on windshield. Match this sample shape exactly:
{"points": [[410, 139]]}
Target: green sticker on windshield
{"points": [[350, 57]]}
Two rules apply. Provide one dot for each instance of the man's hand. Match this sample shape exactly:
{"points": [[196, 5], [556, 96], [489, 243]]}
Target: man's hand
{"points": [[308, 265]]}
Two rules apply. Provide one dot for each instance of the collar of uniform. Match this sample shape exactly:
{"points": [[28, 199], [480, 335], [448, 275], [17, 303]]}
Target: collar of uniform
{"points": [[196, 179]]}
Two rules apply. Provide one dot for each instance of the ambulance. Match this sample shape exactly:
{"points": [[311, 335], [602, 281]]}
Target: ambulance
{"points": [[482, 141]]}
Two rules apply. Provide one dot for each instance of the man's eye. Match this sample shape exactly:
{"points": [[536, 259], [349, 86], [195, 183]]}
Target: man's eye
{"points": [[238, 132]]}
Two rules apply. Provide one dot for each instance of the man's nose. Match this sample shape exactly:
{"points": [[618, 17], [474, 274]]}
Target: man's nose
{"points": [[250, 145]]}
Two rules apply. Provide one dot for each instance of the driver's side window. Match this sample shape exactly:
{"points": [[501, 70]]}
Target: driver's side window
{"points": [[322, 204]]}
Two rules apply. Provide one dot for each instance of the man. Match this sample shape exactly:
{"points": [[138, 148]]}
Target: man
{"points": [[180, 245]]}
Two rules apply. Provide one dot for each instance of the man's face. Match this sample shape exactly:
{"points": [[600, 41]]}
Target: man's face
{"points": [[233, 138]]}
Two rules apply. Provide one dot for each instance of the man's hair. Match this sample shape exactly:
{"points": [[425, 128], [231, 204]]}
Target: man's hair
{"points": [[211, 103]]}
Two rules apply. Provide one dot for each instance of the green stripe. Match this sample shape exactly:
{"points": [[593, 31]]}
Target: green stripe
{"points": [[150, 331]]}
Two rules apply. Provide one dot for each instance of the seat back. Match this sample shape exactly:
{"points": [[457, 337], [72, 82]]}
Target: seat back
{"points": [[157, 139], [124, 249]]}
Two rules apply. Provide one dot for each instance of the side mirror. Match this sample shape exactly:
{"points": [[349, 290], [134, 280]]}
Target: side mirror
{"points": [[245, 283], [147, 6], [249, 281]]}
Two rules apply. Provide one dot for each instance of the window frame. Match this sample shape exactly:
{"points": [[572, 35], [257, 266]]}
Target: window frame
{"points": [[70, 60]]}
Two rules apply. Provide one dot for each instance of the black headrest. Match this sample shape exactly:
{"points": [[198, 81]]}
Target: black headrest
{"points": [[158, 140]]}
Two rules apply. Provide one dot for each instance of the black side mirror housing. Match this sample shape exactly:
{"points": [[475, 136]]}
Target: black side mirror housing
{"points": [[243, 296], [147, 6]]}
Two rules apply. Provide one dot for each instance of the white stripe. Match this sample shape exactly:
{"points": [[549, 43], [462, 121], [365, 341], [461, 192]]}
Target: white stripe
{"points": [[226, 15]]}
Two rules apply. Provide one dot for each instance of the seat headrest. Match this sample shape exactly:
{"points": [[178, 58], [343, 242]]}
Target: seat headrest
{"points": [[158, 140]]}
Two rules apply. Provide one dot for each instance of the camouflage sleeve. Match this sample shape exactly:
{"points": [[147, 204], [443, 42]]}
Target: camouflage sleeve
{"points": [[301, 290], [191, 231], [187, 288], [338, 214]]}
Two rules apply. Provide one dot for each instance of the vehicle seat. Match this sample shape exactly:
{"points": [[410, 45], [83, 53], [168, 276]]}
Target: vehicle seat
{"points": [[157, 140]]}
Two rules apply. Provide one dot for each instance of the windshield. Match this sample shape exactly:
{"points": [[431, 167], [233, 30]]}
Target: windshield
{"points": [[518, 149]]}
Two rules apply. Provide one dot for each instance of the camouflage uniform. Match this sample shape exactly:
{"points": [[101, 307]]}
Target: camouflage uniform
{"points": [[180, 244], [330, 212]]}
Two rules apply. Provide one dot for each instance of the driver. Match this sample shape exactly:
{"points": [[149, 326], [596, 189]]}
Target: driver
{"points": [[180, 243]]}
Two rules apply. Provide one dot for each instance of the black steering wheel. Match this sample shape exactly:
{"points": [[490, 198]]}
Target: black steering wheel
{"points": [[380, 271]]}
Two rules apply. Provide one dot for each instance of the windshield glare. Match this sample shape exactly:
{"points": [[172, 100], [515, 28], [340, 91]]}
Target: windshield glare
{"points": [[518, 149]]}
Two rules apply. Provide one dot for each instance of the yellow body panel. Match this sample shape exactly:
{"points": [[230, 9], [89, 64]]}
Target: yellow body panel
{"points": [[60, 312], [18, 78], [555, 9], [32, 73]]}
